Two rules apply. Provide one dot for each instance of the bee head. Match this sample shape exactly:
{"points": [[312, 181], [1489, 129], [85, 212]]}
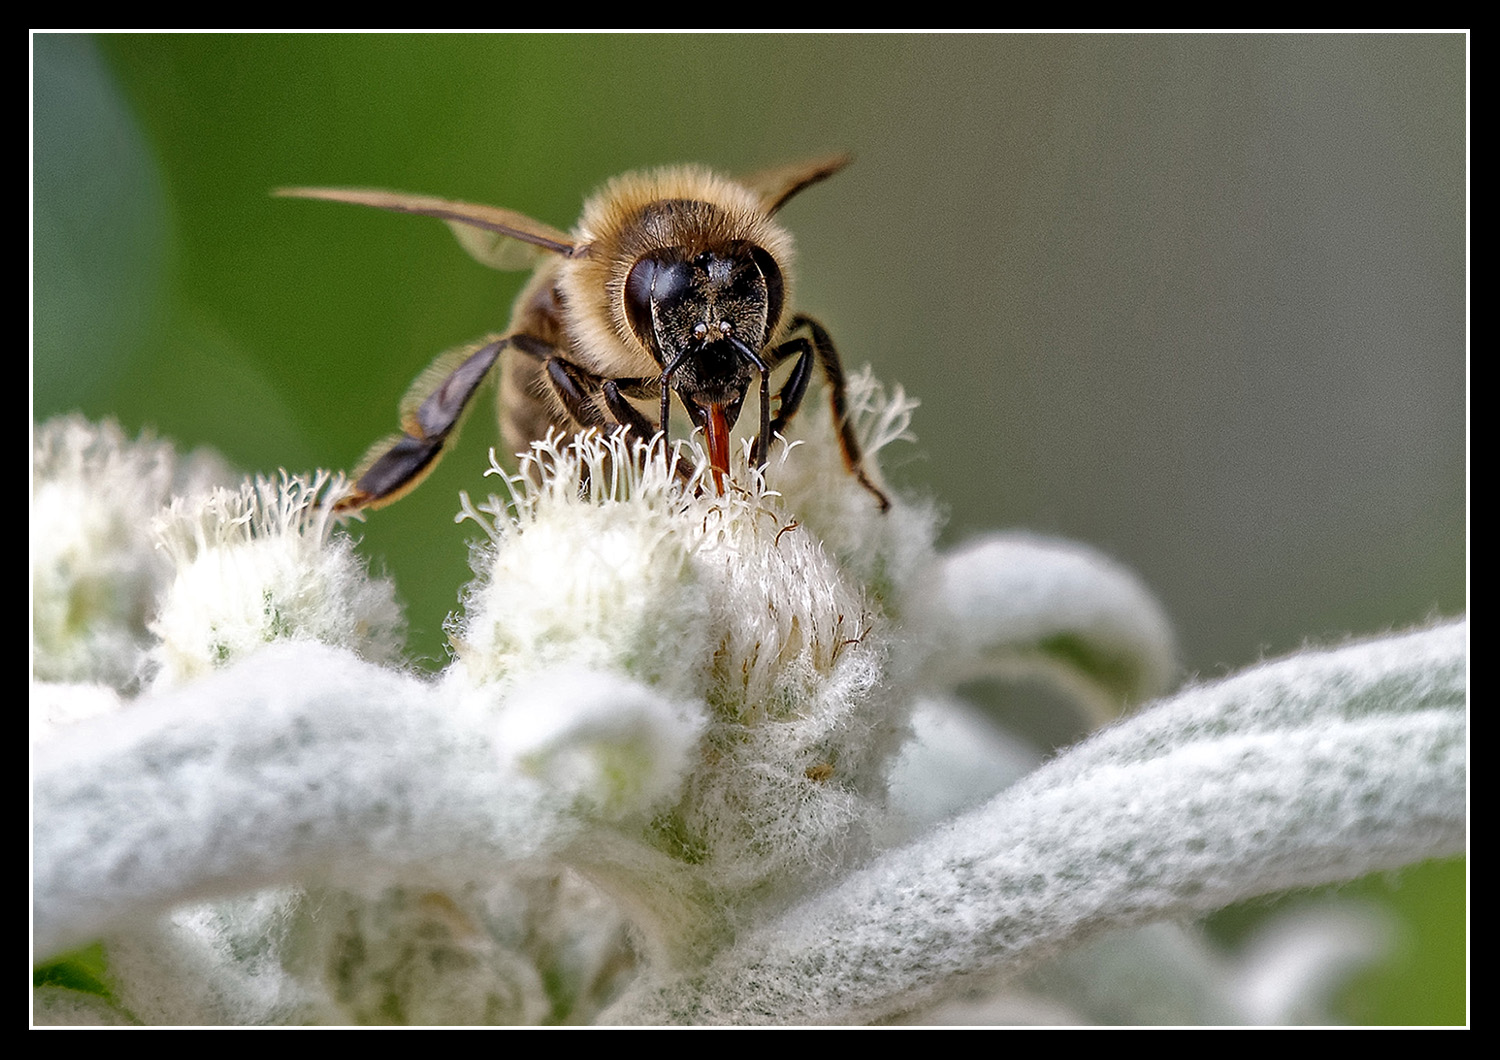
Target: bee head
{"points": [[705, 315], [678, 297]]}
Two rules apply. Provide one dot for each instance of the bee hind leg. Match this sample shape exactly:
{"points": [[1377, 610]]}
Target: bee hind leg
{"points": [[431, 413]]}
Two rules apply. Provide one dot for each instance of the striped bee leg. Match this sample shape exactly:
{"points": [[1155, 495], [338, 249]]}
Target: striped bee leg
{"points": [[431, 413]]}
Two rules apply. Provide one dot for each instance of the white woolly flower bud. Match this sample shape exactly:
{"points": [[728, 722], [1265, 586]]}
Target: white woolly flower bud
{"points": [[95, 570], [605, 563], [259, 564], [571, 582]]}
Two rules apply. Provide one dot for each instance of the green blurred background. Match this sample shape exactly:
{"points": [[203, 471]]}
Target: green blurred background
{"points": [[1198, 301]]}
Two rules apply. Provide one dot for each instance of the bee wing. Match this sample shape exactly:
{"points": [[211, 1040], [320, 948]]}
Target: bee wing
{"points": [[776, 186], [501, 239]]}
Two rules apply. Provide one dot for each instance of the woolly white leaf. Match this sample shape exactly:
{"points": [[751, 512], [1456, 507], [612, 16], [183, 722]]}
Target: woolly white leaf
{"points": [[300, 762], [1321, 767], [616, 744], [1016, 604]]}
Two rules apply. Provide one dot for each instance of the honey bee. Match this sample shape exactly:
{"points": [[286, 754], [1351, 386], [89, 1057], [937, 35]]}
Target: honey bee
{"points": [[675, 280]]}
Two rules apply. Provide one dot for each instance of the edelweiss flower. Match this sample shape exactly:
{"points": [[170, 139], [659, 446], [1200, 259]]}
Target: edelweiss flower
{"points": [[669, 776]]}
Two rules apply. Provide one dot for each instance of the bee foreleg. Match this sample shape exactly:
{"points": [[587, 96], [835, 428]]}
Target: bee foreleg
{"points": [[431, 413], [789, 397], [635, 422], [763, 439]]}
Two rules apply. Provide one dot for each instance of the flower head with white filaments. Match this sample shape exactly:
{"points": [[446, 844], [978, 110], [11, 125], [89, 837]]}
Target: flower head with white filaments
{"points": [[95, 569], [724, 602], [669, 775], [260, 564]]}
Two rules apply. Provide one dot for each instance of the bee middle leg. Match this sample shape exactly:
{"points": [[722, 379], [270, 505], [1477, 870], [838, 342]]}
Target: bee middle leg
{"points": [[582, 394], [594, 401]]}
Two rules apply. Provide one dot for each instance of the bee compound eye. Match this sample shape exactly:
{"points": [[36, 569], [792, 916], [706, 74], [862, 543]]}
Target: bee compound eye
{"points": [[638, 288], [775, 288]]}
